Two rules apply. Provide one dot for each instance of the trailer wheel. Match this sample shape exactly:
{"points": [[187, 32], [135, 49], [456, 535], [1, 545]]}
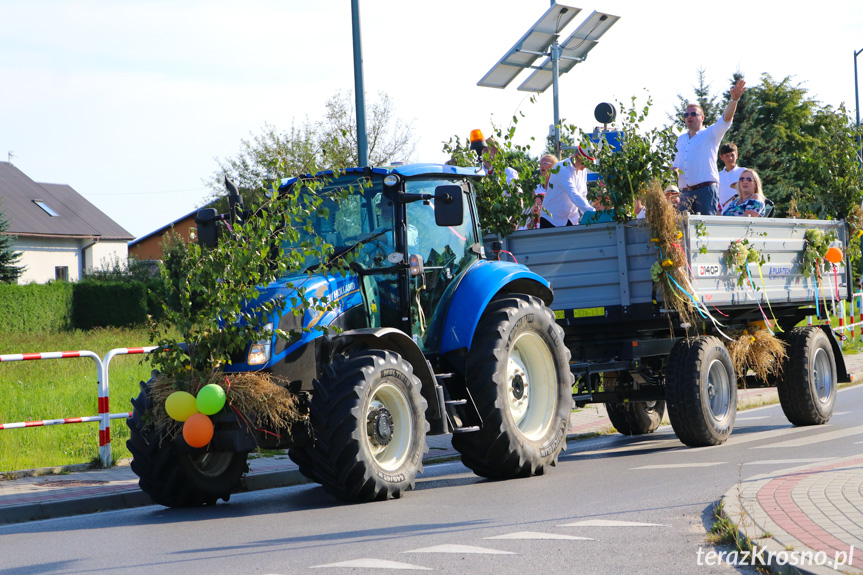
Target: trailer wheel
{"points": [[368, 417], [173, 476], [701, 391], [807, 391], [635, 417], [518, 375]]}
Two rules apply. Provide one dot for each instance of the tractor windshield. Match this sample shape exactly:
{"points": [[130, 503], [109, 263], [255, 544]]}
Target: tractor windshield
{"points": [[346, 211]]}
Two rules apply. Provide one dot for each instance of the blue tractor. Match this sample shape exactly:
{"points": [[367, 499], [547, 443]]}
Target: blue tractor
{"points": [[433, 338]]}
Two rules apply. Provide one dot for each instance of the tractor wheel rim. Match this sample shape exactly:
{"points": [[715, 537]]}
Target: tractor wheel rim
{"points": [[531, 385], [389, 399]]}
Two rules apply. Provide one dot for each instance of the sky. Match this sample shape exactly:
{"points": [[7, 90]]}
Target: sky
{"points": [[131, 102]]}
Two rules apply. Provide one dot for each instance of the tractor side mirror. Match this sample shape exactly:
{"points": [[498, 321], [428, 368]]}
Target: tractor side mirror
{"points": [[208, 233], [448, 205]]}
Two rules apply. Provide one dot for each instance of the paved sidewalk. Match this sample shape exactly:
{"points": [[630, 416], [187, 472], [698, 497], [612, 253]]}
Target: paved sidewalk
{"points": [[811, 508]]}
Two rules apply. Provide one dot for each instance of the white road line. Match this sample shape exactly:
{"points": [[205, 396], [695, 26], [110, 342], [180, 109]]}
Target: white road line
{"points": [[374, 564], [817, 438], [784, 461], [460, 549], [752, 418], [680, 465], [609, 523], [537, 535], [758, 436]]}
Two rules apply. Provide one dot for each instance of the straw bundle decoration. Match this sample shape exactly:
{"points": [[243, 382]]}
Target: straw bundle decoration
{"points": [[670, 270], [259, 399], [758, 350]]}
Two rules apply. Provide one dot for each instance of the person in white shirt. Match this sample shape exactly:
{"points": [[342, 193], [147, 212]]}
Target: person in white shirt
{"points": [[729, 175], [695, 162], [566, 198]]}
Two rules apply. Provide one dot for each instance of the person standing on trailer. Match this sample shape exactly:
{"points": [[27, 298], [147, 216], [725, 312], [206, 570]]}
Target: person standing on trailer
{"points": [[695, 162], [566, 198]]}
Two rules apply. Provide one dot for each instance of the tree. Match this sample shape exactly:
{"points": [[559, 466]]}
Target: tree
{"points": [[389, 139], [9, 272], [802, 150], [712, 109], [644, 156], [500, 205], [308, 147]]}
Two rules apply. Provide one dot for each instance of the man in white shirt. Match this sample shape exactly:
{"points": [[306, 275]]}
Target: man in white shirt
{"points": [[566, 198], [729, 175], [695, 162]]}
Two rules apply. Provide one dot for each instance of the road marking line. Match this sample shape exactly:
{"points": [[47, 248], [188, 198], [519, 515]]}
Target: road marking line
{"points": [[609, 523], [536, 535], [784, 461], [374, 564], [758, 436], [680, 465], [460, 549], [752, 418], [818, 438]]}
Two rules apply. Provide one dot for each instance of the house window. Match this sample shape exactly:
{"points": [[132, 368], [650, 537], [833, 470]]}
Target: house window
{"points": [[46, 208], [61, 273]]}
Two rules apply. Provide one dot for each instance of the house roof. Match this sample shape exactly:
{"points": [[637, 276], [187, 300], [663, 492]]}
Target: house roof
{"points": [[163, 229], [75, 215]]}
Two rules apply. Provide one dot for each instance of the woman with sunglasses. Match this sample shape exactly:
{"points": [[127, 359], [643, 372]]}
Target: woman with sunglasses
{"points": [[749, 200]]}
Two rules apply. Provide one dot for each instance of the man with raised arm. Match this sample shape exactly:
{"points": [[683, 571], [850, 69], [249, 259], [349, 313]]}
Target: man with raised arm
{"points": [[695, 162]]}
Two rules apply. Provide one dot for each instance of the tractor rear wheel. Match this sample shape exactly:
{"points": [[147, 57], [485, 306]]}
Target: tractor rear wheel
{"points": [[518, 375]]}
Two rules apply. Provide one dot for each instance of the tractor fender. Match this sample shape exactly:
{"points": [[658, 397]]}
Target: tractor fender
{"points": [[480, 284], [393, 339]]}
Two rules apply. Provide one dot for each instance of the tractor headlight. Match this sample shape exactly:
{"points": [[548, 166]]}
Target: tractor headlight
{"points": [[259, 352]]}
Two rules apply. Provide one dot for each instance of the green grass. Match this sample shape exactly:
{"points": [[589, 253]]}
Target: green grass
{"points": [[59, 388]]}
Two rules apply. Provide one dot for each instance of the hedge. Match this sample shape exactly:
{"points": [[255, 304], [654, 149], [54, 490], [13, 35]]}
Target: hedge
{"points": [[103, 304], [58, 306], [36, 308]]}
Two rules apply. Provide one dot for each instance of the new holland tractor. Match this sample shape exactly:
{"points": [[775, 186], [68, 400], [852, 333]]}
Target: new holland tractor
{"points": [[432, 338]]}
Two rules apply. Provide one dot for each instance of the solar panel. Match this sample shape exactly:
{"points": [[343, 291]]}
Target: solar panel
{"points": [[573, 50], [537, 39]]}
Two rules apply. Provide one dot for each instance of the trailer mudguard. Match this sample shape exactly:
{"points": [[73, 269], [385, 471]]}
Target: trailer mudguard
{"points": [[480, 284]]}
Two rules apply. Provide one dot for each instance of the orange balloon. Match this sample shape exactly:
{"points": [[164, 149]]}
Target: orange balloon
{"points": [[833, 255], [198, 430]]}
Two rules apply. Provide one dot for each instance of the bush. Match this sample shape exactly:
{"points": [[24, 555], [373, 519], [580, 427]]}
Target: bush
{"points": [[36, 308]]}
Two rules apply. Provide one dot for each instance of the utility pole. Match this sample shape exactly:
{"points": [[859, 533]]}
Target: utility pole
{"points": [[359, 91]]}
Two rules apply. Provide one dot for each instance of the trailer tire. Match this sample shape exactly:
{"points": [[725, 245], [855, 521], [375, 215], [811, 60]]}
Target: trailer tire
{"points": [[172, 475], [517, 343], [807, 391], [635, 417], [701, 391], [368, 417]]}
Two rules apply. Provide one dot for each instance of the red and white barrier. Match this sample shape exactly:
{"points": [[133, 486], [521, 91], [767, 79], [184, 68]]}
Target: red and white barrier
{"points": [[104, 416]]}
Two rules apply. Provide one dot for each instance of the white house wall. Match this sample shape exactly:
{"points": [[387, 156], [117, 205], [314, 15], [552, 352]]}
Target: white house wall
{"points": [[106, 254], [42, 255]]}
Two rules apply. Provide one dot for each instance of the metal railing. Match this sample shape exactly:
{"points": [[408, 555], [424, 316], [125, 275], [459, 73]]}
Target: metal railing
{"points": [[104, 415]]}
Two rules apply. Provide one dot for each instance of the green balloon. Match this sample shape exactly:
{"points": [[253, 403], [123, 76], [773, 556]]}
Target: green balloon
{"points": [[180, 405], [211, 399]]}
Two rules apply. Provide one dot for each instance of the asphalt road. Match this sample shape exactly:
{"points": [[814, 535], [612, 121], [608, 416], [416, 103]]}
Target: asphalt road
{"points": [[455, 522]]}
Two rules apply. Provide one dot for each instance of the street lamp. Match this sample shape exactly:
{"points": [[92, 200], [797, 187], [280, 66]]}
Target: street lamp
{"points": [[857, 102]]}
